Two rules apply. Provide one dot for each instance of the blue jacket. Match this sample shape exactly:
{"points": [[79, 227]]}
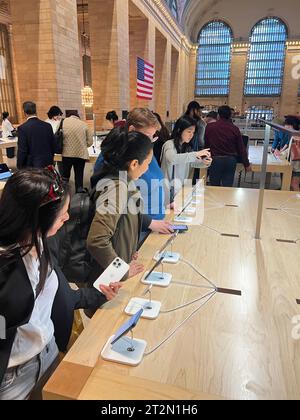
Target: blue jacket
{"points": [[151, 188], [99, 163], [281, 139]]}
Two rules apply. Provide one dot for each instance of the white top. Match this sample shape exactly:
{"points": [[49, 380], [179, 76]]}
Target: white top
{"points": [[55, 124], [32, 338], [6, 128]]}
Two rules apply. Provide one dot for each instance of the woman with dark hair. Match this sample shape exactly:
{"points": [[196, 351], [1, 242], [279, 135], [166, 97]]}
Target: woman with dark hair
{"points": [[142, 120], [163, 136], [177, 155], [55, 115], [7, 127], [113, 118], [118, 222], [36, 301]]}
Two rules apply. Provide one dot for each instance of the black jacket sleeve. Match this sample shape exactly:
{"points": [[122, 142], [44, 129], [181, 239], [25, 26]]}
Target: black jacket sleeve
{"points": [[23, 149], [82, 298], [68, 300], [147, 220]]}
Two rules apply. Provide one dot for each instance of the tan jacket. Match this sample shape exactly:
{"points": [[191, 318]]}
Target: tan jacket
{"points": [[116, 233], [77, 138]]}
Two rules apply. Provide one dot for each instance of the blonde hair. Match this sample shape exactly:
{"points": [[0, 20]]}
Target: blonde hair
{"points": [[142, 118]]}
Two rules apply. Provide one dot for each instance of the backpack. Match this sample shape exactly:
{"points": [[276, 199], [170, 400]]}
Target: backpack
{"points": [[74, 258], [59, 139]]}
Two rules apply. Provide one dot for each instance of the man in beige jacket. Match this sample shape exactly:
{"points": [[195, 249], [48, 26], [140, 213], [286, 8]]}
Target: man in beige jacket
{"points": [[77, 139]]}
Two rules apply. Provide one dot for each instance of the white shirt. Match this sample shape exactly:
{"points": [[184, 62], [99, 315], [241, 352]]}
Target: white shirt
{"points": [[55, 124], [6, 128], [32, 338]]}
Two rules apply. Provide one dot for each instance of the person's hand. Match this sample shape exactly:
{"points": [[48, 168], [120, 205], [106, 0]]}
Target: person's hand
{"points": [[272, 150], [204, 154], [135, 269], [111, 291], [249, 168], [135, 256], [207, 161], [161, 226]]}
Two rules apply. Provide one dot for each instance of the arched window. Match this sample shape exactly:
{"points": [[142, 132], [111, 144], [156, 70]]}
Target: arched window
{"points": [[174, 8], [266, 58], [214, 60]]}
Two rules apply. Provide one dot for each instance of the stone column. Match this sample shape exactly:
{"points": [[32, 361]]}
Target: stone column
{"points": [[109, 33], [289, 99], [161, 78], [237, 79], [46, 53]]}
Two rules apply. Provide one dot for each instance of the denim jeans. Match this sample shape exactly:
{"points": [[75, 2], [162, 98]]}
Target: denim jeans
{"points": [[222, 171], [27, 380]]}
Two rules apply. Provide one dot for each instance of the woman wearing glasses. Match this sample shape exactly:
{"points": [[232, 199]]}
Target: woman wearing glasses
{"points": [[36, 302]]}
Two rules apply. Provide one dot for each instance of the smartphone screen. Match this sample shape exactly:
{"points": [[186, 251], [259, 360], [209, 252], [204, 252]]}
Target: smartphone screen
{"points": [[180, 228], [128, 326], [4, 172]]}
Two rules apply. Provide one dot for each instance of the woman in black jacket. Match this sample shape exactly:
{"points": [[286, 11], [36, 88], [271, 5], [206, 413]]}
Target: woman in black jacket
{"points": [[36, 302]]}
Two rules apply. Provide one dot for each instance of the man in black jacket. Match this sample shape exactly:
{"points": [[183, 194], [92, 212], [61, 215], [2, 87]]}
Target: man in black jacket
{"points": [[36, 145]]}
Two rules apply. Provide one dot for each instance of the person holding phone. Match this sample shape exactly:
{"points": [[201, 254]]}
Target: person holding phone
{"points": [[178, 155], [119, 218], [150, 184], [36, 300]]}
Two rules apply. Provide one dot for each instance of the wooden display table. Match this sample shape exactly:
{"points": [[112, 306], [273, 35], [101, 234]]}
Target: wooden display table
{"points": [[235, 347], [274, 166]]}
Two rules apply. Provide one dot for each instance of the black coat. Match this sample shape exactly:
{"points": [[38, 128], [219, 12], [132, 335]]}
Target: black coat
{"points": [[17, 303], [36, 144]]}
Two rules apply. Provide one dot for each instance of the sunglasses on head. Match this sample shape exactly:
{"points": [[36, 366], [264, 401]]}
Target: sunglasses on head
{"points": [[56, 191]]}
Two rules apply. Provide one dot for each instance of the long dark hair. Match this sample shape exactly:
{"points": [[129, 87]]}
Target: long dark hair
{"points": [[24, 220], [182, 124], [293, 121], [5, 115], [119, 149]]}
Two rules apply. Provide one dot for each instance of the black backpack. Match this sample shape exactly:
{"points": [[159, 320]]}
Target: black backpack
{"points": [[74, 258]]}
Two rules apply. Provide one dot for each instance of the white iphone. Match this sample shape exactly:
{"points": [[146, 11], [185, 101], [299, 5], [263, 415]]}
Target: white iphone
{"points": [[113, 274]]}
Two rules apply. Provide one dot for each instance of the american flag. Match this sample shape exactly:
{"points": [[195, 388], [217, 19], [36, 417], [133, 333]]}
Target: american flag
{"points": [[145, 79]]}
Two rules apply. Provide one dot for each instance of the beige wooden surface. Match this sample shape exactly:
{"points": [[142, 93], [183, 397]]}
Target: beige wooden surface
{"points": [[234, 347], [274, 166], [2, 185]]}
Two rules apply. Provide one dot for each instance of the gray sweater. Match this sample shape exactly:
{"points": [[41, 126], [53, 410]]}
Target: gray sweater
{"points": [[180, 163]]}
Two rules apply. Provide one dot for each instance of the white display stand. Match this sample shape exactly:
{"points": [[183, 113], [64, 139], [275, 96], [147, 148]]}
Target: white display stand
{"points": [[158, 279], [183, 219], [121, 351], [170, 257], [197, 194], [190, 210], [151, 308]]}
